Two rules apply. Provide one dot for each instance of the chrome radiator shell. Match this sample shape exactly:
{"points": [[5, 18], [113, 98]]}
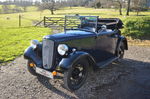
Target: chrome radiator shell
{"points": [[47, 53]]}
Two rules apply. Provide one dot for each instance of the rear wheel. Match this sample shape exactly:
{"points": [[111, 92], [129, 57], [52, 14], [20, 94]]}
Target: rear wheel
{"points": [[76, 76], [121, 50], [31, 67]]}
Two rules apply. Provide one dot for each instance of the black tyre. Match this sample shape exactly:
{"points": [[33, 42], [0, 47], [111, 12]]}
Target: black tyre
{"points": [[31, 69], [121, 50], [76, 76]]}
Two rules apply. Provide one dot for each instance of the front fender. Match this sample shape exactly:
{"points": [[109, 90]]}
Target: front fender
{"points": [[67, 63], [30, 54]]}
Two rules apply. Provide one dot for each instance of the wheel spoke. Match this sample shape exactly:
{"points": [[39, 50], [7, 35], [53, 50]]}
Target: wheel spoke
{"points": [[78, 75]]}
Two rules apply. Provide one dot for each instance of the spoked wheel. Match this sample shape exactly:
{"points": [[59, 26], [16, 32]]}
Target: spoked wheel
{"points": [[75, 77]]}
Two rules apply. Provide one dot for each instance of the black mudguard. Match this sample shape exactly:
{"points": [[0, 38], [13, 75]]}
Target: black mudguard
{"points": [[67, 63], [30, 54]]}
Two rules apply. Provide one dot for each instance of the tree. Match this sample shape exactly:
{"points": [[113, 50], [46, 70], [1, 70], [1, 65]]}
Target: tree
{"points": [[128, 7], [21, 3], [16, 9], [95, 4], [48, 4], [5, 9], [119, 3], [139, 5], [120, 7], [98, 4]]}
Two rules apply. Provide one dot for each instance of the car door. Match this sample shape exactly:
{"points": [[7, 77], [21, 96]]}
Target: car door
{"points": [[105, 45]]}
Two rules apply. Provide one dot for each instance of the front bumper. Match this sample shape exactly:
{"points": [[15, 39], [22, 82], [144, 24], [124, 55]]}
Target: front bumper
{"points": [[44, 72]]}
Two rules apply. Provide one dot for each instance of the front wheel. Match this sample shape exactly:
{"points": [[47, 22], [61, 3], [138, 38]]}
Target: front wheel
{"points": [[76, 76], [31, 67]]}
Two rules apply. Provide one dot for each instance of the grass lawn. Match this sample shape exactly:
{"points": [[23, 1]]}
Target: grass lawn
{"points": [[14, 40]]}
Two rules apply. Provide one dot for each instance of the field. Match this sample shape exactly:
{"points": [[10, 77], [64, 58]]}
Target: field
{"points": [[29, 17], [14, 39]]}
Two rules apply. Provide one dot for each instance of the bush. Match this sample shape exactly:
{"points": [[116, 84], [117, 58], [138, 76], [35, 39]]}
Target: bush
{"points": [[137, 27]]}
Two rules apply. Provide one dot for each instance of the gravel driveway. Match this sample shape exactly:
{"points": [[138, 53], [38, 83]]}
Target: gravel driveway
{"points": [[128, 79]]}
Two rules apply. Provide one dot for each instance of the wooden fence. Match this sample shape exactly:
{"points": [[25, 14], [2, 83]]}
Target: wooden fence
{"points": [[61, 22], [54, 22]]}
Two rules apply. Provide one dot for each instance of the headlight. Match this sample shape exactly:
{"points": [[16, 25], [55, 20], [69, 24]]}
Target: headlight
{"points": [[62, 49], [34, 43]]}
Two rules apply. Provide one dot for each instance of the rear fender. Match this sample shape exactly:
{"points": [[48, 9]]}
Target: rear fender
{"points": [[124, 40], [67, 63]]}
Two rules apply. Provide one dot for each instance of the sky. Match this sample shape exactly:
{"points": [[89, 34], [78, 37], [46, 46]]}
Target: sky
{"points": [[26, 0]]}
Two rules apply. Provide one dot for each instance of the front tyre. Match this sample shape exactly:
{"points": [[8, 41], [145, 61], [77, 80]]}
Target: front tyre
{"points": [[76, 76], [31, 68]]}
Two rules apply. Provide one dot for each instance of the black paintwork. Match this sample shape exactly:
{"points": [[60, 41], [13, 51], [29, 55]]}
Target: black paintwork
{"points": [[66, 63], [30, 54], [95, 47], [70, 35]]}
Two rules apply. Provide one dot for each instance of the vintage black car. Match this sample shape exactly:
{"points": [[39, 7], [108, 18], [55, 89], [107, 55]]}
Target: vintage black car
{"points": [[88, 42]]}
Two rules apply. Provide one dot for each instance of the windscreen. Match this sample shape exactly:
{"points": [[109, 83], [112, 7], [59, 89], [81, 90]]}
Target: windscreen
{"points": [[85, 23]]}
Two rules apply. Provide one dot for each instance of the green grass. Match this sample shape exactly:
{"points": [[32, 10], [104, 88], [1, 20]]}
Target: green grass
{"points": [[11, 20], [14, 40]]}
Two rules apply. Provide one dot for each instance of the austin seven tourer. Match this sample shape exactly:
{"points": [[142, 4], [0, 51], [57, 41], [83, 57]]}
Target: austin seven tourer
{"points": [[87, 43]]}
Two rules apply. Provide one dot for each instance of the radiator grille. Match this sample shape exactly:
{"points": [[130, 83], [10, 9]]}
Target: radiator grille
{"points": [[47, 52]]}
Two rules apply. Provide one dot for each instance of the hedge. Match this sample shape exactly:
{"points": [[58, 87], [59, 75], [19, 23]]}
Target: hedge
{"points": [[137, 27]]}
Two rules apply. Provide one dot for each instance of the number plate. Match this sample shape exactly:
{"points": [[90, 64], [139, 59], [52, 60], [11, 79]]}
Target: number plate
{"points": [[44, 72]]}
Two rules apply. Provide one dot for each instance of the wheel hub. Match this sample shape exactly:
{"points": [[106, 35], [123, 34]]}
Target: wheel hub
{"points": [[75, 73]]}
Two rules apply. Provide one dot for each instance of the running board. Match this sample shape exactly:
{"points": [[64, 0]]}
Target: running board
{"points": [[107, 62]]}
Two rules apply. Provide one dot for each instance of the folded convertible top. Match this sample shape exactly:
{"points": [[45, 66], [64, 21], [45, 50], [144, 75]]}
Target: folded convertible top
{"points": [[111, 23]]}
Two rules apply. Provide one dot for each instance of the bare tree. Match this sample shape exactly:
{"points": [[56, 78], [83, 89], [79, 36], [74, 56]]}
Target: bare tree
{"points": [[119, 3], [128, 7], [136, 6], [95, 3], [139, 5], [72, 3], [120, 7], [48, 4]]}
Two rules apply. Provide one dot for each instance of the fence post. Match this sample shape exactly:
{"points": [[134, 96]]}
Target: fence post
{"points": [[19, 20], [44, 21]]}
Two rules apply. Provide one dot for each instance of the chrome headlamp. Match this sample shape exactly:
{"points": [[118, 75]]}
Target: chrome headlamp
{"points": [[34, 43], [62, 49]]}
